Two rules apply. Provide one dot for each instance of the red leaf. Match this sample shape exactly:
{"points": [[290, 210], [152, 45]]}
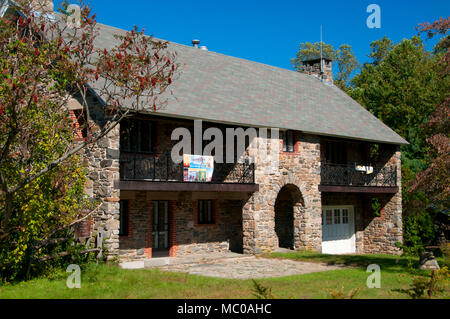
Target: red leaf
{"points": [[36, 51], [34, 98], [170, 81]]}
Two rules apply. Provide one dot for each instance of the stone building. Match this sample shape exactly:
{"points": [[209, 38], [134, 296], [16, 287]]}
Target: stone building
{"points": [[321, 173], [333, 186]]}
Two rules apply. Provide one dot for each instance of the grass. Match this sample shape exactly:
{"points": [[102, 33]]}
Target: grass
{"points": [[110, 281]]}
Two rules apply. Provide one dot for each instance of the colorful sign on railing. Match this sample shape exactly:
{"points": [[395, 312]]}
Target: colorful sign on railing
{"points": [[198, 168]]}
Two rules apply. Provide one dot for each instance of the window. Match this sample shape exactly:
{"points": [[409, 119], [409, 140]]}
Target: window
{"points": [[79, 122], [329, 217], [336, 152], [160, 225], [123, 230], [205, 212], [288, 141], [345, 216], [337, 216], [136, 136]]}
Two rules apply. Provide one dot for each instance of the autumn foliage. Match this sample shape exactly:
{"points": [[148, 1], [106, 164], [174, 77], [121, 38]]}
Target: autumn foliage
{"points": [[46, 61], [435, 180]]}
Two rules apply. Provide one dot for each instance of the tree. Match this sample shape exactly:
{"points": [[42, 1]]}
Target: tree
{"points": [[344, 58], [380, 49], [435, 179], [45, 62], [347, 63], [407, 88], [308, 51], [402, 88]]}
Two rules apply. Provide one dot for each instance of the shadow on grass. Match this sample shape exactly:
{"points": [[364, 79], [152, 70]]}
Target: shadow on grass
{"points": [[386, 262]]}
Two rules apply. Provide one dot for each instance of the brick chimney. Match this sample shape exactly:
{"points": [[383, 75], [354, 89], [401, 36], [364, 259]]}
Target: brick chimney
{"points": [[42, 5], [319, 67]]}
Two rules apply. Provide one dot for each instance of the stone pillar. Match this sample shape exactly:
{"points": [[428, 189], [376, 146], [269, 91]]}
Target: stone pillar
{"points": [[383, 233], [274, 171], [248, 227], [104, 166]]}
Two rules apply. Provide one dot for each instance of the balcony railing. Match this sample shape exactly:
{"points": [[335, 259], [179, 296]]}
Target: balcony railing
{"points": [[161, 168], [348, 175]]}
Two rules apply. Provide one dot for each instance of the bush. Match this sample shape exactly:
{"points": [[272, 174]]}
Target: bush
{"points": [[427, 287], [261, 292], [39, 237], [419, 231], [340, 294]]}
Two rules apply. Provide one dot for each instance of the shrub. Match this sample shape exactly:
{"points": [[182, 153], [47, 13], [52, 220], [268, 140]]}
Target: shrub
{"points": [[340, 294], [261, 292]]}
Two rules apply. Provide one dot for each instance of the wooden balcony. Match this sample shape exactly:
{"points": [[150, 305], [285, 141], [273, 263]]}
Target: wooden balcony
{"points": [[347, 178], [157, 172]]}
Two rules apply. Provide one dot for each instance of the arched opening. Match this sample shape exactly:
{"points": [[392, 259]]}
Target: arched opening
{"points": [[288, 201]]}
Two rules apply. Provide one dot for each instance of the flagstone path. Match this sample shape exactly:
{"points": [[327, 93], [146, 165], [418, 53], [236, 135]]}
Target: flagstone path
{"points": [[241, 266]]}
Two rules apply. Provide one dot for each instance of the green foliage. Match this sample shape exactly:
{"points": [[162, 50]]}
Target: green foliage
{"points": [[341, 294], [261, 292], [346, 63], [343, 58], [308, 51], [418, 232], [402, 88], [35, 131], [376, 207], [380, 49], [43, 209], [427, 287]]}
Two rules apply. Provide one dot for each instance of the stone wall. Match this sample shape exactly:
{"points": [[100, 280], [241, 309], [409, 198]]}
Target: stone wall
{"points": [[245, 222], [375, 234], [273, 172], [383, 233], [102, 160], [187, 236]]}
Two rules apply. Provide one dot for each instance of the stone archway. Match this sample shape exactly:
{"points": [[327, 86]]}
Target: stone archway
{"points": [[289, 210]]}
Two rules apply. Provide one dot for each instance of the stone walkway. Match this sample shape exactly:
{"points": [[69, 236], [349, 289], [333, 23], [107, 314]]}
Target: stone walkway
{"points": [[236, 266]]}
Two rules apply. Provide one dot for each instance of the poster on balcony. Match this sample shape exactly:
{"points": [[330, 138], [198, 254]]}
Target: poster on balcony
{"points": [[198, 168]]}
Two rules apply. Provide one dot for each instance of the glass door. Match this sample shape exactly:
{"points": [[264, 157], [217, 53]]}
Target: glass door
{"points": [[160, 228]]}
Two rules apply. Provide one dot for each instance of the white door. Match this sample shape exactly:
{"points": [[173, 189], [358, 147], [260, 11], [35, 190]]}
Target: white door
{"points": [[338, 230]]}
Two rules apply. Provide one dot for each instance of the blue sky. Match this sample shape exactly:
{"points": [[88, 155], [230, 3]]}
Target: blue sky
{"points": [[270, 31]]}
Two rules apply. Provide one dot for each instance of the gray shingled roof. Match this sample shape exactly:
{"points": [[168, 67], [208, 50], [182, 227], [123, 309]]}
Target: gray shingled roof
{"points": [[220, 88]]}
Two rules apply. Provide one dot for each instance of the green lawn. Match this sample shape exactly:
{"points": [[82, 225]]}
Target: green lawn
{"points": [[109, 281]]}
